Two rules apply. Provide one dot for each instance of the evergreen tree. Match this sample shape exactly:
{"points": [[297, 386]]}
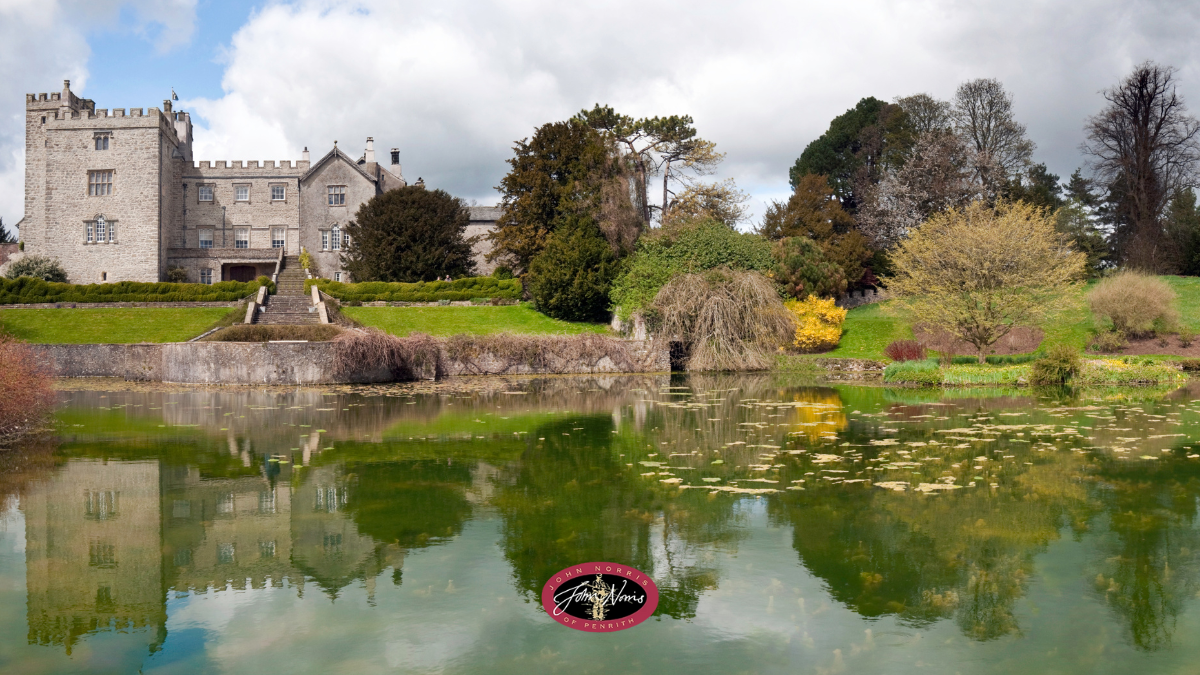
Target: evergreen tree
{"points": [[6, 235], [570, 279], [409, 234], [1183, 227]]}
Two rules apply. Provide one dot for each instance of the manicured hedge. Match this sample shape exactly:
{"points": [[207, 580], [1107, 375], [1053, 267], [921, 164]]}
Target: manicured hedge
{"points": [[468, 288], [27, 290]]}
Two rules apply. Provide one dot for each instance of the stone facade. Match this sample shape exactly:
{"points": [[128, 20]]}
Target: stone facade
{"points": [[118, 197]]}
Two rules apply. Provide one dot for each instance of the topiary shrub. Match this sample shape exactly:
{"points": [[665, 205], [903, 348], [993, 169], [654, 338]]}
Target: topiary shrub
{"points": [[38, 267], [818, 323], [905, 350], [1136, 304], [176, 275], [1059, 365], [803, 270], [502, 272], [571, 278]]}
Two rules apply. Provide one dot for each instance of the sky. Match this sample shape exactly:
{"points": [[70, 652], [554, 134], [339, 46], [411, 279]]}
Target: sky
{"points": [[453, 84]]}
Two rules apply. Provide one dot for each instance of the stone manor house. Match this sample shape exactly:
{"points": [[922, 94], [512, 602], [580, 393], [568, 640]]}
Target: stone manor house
{"points": [[115, 195]]}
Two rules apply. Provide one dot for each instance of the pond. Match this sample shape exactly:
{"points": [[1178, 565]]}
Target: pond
{"points": [[790, 528]]}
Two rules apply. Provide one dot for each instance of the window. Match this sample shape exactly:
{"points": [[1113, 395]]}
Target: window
{"points": [[91, 232], [206, 276], [266, 549], [241, 193], [206, 238], [278, 193], [337, 276], [100, 183], [324, 240], [225, 554], [101, 231], [100, 504], [102, 141], [335, 238], [206, 193], [102, 555], [241, 237], [337, 195], [277, 237]]}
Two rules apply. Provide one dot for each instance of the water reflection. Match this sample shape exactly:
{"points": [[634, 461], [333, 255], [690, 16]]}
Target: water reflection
{"points": [[150, 497]]}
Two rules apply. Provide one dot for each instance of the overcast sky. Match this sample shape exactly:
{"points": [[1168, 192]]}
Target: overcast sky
{"points": [[453, 84]]}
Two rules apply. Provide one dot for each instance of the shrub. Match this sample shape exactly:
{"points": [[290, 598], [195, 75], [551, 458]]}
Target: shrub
{"points": [[38, 267], [1189, 365], [405, 358], [176, 275], [572, 276], [803, 270], [1109, 341], [305, 260], [1060, 364], [905, 350], [502, 272], [925, 372], [27, 290], [692, 248], [818, 323], [1136, 304], [26, 397], [1186, 337], [727, 319], [269, 332], [409, 234]]}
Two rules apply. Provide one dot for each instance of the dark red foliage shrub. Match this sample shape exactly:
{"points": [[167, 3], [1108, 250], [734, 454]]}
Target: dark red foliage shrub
{"points": [[905, 350], [26, 396]]}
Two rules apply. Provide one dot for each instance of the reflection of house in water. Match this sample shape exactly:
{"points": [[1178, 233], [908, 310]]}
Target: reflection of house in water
{"points": [[93, 552]]}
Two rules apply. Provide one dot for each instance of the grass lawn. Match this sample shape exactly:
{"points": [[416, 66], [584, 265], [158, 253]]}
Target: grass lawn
{"points": [[84, 326], [475, 320]]}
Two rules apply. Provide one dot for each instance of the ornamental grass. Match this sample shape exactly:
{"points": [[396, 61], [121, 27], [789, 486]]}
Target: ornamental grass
{"points": [[26, 396]]}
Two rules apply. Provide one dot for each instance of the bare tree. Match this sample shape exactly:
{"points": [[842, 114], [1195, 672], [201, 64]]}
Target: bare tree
{"points": [[925, 113], [1144, 147], [983, 116]]}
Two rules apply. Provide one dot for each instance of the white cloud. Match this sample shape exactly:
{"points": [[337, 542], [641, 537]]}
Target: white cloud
{"points": [[454, 83], [43, 42]]}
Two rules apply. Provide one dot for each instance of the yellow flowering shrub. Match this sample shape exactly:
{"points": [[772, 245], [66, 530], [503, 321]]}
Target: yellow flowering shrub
{"points": [[818, 323]]}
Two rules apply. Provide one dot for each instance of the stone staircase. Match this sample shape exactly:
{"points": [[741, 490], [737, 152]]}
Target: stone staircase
{"points": [[289, 305]]}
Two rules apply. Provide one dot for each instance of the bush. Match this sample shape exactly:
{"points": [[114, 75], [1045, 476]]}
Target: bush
{"points": [[693, 248], [1109, 341], [502, 272], [1059, 365], [905, 350], [925, 372], [27, 290], [1136, 304], [1189, 365], [726, 319], [176, 275], [803, 270], [38, 267], [818, 323], [409, 234], [572, 276], [305, 260], [1186, 337], [26, 397], [421, 291]]}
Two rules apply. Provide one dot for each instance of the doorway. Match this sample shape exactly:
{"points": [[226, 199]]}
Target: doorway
{"points": [[242, 273]]}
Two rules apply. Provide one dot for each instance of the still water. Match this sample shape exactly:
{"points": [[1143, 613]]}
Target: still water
{"points": [[790, 528]]}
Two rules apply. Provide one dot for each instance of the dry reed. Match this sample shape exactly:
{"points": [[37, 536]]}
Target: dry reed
{"points": [[727, 319], [417, 356], [26, 397]]}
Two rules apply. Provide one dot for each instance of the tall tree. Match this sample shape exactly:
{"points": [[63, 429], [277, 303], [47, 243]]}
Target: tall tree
{"points": [[1037, 186], [409, 234], [721, 201], [558, 174], [813, 212], [1144, 149], [856, 149], [1183, 228], [926, 113], [983, 116], [6, 235]]}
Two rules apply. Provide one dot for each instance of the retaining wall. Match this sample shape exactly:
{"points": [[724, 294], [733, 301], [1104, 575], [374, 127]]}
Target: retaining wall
{"points": [[285, 363]]}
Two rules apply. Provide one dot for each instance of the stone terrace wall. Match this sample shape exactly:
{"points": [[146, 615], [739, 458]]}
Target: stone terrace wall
{"points": [[287, 363]]}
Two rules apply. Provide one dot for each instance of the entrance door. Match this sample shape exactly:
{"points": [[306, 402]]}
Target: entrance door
{"points": [[242, 273]]}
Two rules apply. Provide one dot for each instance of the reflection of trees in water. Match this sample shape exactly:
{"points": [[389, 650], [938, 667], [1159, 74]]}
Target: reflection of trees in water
{"points": [[409, 503], [571, 499], [1147, 567]]}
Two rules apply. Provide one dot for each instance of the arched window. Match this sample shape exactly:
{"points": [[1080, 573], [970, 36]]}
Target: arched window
{"points": [[335, 236]]}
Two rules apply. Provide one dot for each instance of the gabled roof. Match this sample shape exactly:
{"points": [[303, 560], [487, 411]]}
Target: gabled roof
{"points": [[332, 155]]}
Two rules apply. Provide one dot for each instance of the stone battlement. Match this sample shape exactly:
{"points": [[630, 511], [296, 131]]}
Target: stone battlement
{"points": [[283, 165]]}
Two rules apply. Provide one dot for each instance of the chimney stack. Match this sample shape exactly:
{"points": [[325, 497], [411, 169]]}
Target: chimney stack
{"points": [[304, 155], [395, 156], [370, 150]]}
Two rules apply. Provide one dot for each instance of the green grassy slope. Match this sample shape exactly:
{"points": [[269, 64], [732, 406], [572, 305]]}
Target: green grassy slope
{"points": [[475, 320], [83, 326]]}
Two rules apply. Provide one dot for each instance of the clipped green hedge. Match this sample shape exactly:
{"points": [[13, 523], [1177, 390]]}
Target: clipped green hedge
{"points": [[467, 288], [27, 290]]}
